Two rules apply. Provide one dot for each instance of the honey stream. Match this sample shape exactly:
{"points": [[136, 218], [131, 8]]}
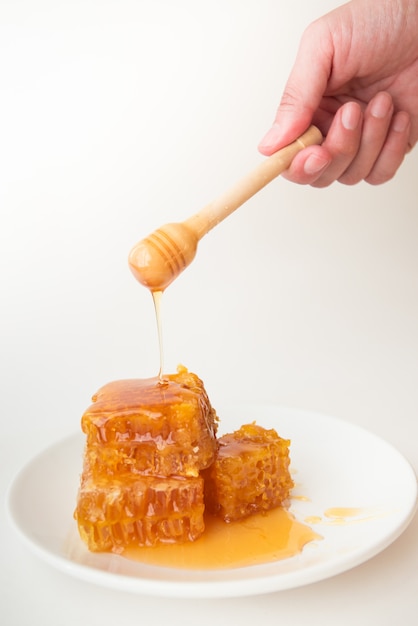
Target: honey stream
{"points": [[157, 298]]}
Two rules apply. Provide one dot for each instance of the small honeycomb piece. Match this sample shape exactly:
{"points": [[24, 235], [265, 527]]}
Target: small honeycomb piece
{"points": [[115, 513], [151, 426], [250, 474]]}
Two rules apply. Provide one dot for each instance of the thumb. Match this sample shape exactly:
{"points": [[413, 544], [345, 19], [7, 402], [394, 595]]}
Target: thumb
{"points": [[303, 92]]}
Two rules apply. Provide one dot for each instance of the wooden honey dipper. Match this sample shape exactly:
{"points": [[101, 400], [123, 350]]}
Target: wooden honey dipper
{"points": [[158, 259]]}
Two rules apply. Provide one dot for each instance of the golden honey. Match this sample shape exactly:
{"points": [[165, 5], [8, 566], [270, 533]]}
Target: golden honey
{"points": [[151, 427], [250, 473], [146, 444], [158, 485], [256, 539]]}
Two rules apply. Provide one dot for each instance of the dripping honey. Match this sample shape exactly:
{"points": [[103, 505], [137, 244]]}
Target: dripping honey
{"points": [[157, 298]]}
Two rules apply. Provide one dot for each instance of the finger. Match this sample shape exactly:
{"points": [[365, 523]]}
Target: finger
{"points": [[376, 123], [393, 151], [319, 166], [303, 91], [308, 165], [342, 142]]}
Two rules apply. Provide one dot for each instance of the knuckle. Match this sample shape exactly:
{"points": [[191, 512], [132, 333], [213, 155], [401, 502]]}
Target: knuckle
{"points": [[290, 99]]}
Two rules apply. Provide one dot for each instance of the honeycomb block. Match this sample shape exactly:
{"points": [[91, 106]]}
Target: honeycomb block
{"points": [[114, 513], [250, 474], [152, 427]]}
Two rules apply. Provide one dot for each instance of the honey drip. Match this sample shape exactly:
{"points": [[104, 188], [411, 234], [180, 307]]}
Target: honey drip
{"points": [[157, 298], [257, 539], [341, 516]]}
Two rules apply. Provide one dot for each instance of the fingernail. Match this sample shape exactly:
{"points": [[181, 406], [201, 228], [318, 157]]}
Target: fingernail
{"points": [[271, 138], [381, 105], [350, 116], [315, 164]]}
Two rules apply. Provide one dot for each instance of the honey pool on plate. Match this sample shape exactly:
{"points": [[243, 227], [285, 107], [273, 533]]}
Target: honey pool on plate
{"points": [[254, 540]]}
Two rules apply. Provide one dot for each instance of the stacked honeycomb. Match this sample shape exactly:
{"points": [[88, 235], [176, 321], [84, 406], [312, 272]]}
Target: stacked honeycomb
{"points": [[146, 444], [153, 465]]}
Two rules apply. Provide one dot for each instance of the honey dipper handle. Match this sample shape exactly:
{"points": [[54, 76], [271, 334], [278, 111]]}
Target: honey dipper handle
{"points": [[203, 221]]}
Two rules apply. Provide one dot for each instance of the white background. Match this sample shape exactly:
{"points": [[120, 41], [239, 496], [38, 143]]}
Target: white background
{"points": [[117, 117]]}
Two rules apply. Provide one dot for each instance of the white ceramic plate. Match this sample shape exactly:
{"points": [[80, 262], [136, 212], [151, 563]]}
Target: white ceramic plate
{"points": [[336, 464]]}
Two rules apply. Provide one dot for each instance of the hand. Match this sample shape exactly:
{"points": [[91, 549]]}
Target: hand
{"points": [[356, 78]]}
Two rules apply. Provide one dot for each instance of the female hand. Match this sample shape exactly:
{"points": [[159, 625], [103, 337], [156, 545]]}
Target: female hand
{"points": [[356, 78]]}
